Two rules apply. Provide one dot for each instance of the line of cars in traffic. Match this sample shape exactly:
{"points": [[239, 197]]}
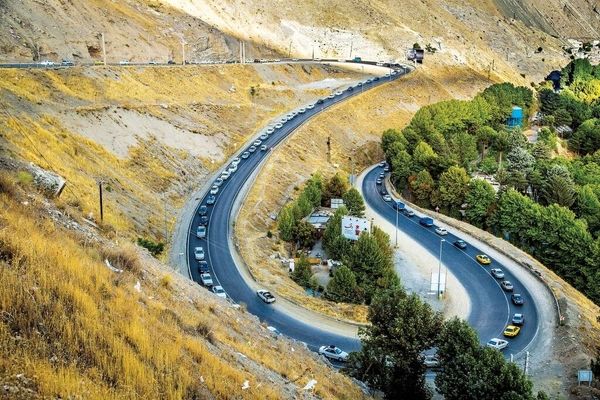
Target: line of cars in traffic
{"points": [[514, 328]]}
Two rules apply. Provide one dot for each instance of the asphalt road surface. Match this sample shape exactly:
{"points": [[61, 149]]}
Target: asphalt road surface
{"points": [[491, 306], [216, 245]]}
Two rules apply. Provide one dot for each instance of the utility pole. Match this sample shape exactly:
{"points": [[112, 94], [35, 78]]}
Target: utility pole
{"points": [[165, 211], [329, 149], [103, 48], [351, 45], [313, 54], [440, 268], [182, 52], [290, 50], [397, 224], [101, 205]]}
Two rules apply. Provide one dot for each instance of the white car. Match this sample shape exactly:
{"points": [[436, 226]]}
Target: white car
{"points": [[265, 296], [310, 106], [218, 182], [302, 110], [278, 125], [225, 175], [497, 344], [387, 198], [497, 273], [331, 96], [219, 291], [257, 143], [338, 93], [235, 161], [263, 147], [441, 231], [199, 253], [270, 130], [123, 62], [232, 168], [334, 353], [47, 63], [264, 136], [201, 232], [206, 279], [431, 361], [214, 189]]}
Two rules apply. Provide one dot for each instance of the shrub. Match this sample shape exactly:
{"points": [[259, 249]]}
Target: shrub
{"points": [[155, 248], [125, 258], [24, 177], [166, 282]]}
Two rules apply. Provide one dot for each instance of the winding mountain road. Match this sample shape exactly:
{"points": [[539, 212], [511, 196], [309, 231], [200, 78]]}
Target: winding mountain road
{"points": [[491, 307]]}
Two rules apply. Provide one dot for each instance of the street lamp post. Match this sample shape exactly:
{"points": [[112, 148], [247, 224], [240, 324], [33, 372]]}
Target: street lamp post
{"points": [[397, 224], [440, 267]]}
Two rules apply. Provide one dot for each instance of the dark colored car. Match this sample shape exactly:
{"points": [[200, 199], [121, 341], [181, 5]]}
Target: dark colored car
{"points": [[518, 319], [517, 299], [203, 267], [409, 213], [426, 221], [461, 244], [320, 101], [350, 89], [202, 210], [398, 205], [383, 192], [211, 200], [204, 220]]}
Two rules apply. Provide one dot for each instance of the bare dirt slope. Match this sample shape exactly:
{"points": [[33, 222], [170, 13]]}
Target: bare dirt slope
{"points": [[135, 30], [478, 34], [150, 134]]}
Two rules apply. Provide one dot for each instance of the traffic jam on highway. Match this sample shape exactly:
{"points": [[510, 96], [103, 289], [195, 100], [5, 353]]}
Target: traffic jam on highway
{"points": [[212, 214], [516, 320]]}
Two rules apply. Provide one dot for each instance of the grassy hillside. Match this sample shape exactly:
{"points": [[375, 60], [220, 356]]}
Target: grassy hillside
{"points": [[72, 327], [150, 134]]}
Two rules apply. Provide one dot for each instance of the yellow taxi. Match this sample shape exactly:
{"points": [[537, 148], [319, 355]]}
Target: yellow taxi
{"points": [[483, 259], [511, 331]]}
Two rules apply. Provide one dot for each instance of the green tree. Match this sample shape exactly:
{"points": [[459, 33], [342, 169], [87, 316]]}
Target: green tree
{"points": [[500, 143], [305, 234], [588, 207], [485, 135], [286, 223], [423, 156], [333, 230], [562, 117], [304, 206], [453, 186], [586, 138], [313, 190], [474, 372], [401, 328], [334, 189], [342, 287], [519, 159], [401, 166], [480, 198], [422, 185], [464, 148], [354, 202], [559, 190], [302, 272]]}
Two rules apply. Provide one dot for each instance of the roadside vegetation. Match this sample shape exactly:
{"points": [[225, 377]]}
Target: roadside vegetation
{"points": [[366, 265], [71, 327], [547, 204], [403, 327]]}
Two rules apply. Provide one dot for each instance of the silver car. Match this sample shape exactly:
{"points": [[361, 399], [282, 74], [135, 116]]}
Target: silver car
{"points": [[199, 253], [201, 232]]}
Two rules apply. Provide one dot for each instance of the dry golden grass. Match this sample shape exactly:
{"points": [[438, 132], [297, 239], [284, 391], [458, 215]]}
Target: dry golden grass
{"points": [[76, 329], [355, 128]]}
